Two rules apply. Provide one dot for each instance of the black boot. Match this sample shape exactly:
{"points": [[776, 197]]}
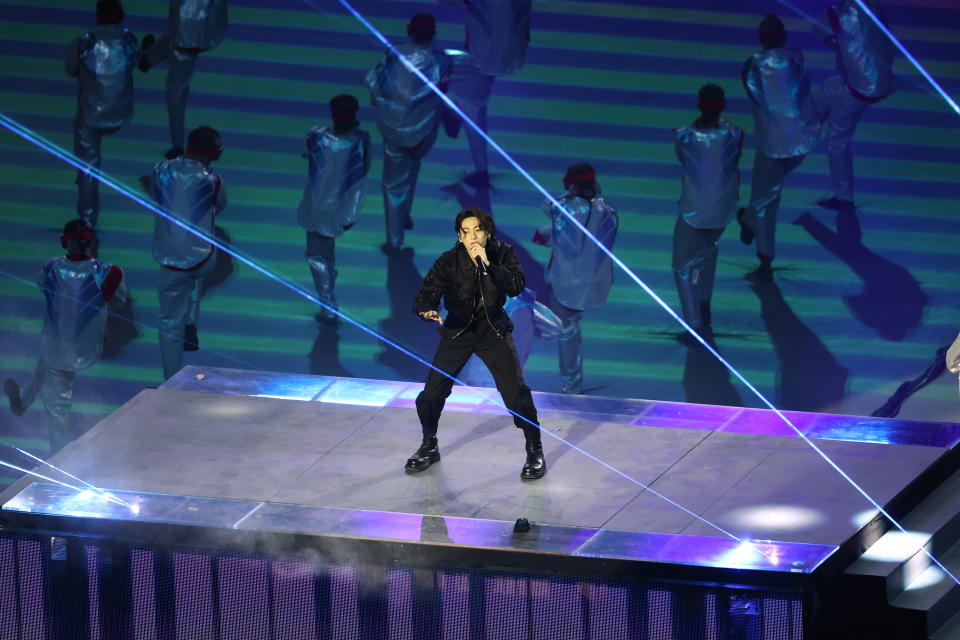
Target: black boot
{"points": [[426, 455], [535, 466]]}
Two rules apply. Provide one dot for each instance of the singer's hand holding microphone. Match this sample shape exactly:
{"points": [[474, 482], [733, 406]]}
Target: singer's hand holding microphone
{"points": [[479, 255]]}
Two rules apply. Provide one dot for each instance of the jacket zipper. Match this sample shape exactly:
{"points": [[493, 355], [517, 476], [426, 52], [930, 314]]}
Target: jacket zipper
{"points": [[484, 305], [472, 314]]}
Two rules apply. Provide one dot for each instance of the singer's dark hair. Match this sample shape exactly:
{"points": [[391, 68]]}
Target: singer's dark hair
{"points": [[484, 218]]}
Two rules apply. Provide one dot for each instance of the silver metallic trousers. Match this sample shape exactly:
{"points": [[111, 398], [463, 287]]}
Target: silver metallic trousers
{"points": [[401, 166], [472, 94], [179, 72], [322, 259], [694, 268], [55, 389], [841, 111], [179, 293], [766, 185], [86, 146], [569, 346]]}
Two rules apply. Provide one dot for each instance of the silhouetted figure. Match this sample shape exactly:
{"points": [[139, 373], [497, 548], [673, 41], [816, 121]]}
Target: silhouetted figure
{"points": [[339, 158], [786, 130], [892, 302], [193, 26], [709, 154], [865, 76], [78, 289], [706, 380], [102, 60], [579, 273], [403, 282], [324, 356], [809, 377], [408, 115], [189, 189], [941, 360]]}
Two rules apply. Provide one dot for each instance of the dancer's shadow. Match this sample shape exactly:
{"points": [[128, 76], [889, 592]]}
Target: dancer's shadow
{"points": [[403, 327], [324, 357], [467, 195], [809, 377], [706, 380], [892, 302], [121, 330]]}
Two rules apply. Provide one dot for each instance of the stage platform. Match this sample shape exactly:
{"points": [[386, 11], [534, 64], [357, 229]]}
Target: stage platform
{"points": [[298, 463], [236, 435]]}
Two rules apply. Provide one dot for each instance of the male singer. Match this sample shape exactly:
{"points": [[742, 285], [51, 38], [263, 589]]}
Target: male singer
{"points": [[474, 279]]}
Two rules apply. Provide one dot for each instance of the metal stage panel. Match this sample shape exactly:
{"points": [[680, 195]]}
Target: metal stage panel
{"points": [[220, 467]]}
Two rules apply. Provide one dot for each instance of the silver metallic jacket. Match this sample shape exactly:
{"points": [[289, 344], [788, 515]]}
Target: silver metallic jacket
{"points": [[76, 316], [407, 109], [579, 272], [783, 109], [190, 190], [864, 53], [336, 178], [104, 59], [498, 33], [197, 24], [709, 160]]}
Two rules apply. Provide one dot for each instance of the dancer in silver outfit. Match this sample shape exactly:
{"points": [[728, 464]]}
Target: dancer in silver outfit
{"points": [[497, 38], [339, 158], [102, 60], [193, 26], [709, 154], [865, 76], [78, 289], [189, 189], [579, 273], [408, 115], [786, 129]]}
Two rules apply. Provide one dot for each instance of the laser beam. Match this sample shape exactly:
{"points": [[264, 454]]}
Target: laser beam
{"points": [[104, 494], [623, 267], [25, 133]]}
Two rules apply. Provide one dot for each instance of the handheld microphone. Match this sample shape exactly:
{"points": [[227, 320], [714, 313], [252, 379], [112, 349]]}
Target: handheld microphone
{"points": [[483, 267]]}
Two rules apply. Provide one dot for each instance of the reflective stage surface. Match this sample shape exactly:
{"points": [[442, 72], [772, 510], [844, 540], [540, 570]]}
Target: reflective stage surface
{"points": [[694, 485], [651, 413], [52, 499]]}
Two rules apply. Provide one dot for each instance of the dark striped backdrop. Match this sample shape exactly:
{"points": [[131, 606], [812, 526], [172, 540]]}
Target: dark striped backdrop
{"points": [[855, 311]]}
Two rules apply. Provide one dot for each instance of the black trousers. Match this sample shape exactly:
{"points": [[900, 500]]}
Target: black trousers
{"points": [[500, 356]]}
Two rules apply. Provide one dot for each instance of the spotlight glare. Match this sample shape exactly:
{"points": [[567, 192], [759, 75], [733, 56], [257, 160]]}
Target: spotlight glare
{"points": [[775, 517], [896, 546]]}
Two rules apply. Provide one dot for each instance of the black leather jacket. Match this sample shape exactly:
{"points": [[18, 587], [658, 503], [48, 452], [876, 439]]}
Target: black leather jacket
{"points": [[455, 278]]}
